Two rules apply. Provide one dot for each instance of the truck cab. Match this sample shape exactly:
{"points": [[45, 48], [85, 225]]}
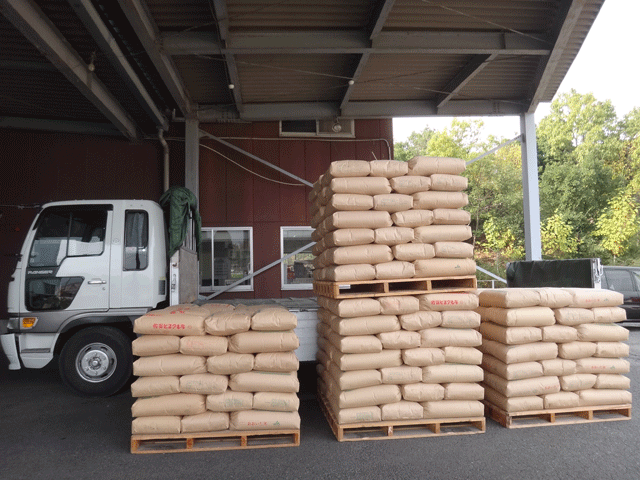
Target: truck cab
{"points": [[86, 271]]}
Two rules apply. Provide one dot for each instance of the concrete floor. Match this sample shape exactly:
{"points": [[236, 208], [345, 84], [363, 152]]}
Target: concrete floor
{"points": [[48, 433]]}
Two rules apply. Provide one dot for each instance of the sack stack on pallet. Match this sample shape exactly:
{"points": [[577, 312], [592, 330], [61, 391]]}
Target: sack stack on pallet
{"points": [[553, 349], [402, 355], [215, 368]]}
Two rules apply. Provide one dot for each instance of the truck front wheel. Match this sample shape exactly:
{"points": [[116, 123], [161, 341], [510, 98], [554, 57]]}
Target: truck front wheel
{"points": [[97, 361]]}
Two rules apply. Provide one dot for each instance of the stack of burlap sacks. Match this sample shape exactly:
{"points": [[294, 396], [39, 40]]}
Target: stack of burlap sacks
{"points": [[553, 348], [214, 367], [397, 357]]}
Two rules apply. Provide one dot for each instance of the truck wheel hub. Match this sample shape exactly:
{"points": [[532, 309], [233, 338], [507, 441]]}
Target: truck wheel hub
{"points": [[96, 362]]}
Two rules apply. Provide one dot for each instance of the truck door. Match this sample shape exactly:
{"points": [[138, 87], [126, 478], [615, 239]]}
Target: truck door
{"points": [[68, 264]]}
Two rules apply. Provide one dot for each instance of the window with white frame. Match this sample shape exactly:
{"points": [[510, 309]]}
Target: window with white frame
{"points": [[297, 270], [226, 256]]}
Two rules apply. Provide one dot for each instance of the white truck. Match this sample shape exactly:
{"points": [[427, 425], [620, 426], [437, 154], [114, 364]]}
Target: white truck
{"points": [[86, 271]]}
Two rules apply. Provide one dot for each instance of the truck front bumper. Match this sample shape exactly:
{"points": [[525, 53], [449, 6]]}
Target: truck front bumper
{"points": [[10, 349]]}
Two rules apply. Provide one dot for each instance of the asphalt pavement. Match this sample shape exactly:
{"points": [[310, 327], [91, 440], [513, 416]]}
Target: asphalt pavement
{"points": [[46, 432]]}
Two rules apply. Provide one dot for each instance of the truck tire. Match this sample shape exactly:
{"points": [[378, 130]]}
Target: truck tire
{"points": [[97, 361]]}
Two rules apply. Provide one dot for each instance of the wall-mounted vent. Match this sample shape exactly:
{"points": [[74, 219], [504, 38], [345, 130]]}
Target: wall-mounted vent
{"points": [[338, 127]]}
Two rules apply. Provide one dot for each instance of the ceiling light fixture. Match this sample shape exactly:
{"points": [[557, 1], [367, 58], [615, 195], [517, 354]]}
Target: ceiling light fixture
{"points": [[336, 127]]}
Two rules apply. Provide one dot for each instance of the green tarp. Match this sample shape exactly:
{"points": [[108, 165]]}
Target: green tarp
{"points": [[179, 204]]}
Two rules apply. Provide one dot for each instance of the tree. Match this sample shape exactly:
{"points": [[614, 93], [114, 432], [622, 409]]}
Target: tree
{"points": [[415, 145], [558, 238]]}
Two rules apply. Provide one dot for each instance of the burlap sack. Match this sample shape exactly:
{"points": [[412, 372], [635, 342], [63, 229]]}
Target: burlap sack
{"points": [[348, 273], [349, 236], [595, 332], [411, 252], [365, 325], [276, 402], [611, 350], [176, 404], [434, 165], [399, 340], [510, 335], [445, 267], [276, 362], [251, 310], [442, 182], [205, 345], [420, 320], [360, 185], [609, 314], [463, 391], [388, 168], [164, 323], [217, 307], [261, 420], [392, 202], [355, 378], [358, 415], [441, 233], [554, 297], [174, 364], [205, 422], [522, 388], [228, 323], [452, 373], [356, 344], [186, 309], [367, 219], [561, 400], [150, 345], [349, 168], [204, 383], [464, 355], [264, 382], [450, 337], [263, 342], [166, 424], [230, 363], [395, 270], [401, 375], [393, 235], [460, 319], [574, 350], [453, 409], [422, 392], [358, 254], [401, 410], [453, 250], [432, 200], [230, 401], [366, 361], [398, 304], [519, 317], [558, 367], [591, 298], [412, 218], [509, 297], [577, 381], [448, 301], [559, 334], [367, 396], [410, 184], [573, 316], [351, 307], [602, 365], [349, 202], [604, 397], [275, 319], [514, 371], [449, 216], [155, 386], [520, 353], [423, 357], [512, 405], [612, 381]]}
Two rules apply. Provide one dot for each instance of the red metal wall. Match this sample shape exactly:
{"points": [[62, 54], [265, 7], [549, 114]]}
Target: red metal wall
{"points": [[233, 197]]}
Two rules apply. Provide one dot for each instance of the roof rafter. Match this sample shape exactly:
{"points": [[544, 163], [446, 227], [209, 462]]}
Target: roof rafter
{"points": [[470, 70], [222, 17]]}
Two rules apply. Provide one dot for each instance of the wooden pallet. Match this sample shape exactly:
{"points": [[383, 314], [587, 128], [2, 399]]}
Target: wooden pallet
{"points": [[211, 441], [401, 428], [382, 288], [563, 416]]}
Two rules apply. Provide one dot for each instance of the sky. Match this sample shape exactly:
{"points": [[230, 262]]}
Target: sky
{"points": [[605, 66]]}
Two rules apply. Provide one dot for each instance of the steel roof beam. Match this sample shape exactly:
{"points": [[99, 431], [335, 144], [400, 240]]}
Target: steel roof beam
{"points": [[109, 46], [470, 70], [66, 126], [148, 34], [27, 17], [222, 17]]}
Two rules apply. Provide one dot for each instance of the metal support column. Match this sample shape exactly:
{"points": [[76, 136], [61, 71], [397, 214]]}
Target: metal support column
{"points": [[192, 157], [530, 192]]}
